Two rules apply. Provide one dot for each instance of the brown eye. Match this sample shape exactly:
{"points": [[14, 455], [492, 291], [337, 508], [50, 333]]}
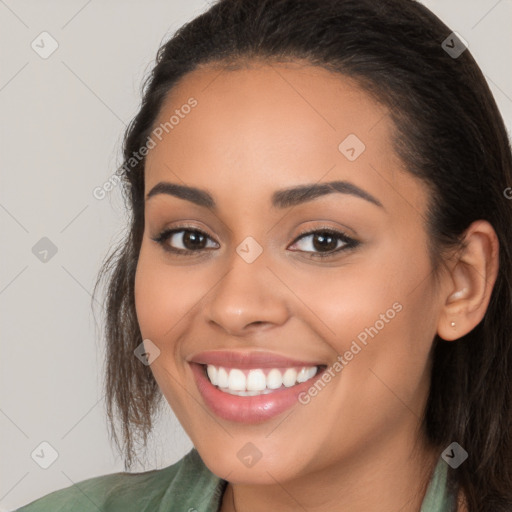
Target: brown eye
{"points": [[193, 240], [181, 240], [322, 242]]}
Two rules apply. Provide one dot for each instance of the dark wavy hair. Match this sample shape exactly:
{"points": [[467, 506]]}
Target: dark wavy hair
{"points": [[449, 133]]}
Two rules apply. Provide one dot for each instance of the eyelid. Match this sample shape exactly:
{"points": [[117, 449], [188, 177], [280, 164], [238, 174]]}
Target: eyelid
{"points": [[349, 242]]}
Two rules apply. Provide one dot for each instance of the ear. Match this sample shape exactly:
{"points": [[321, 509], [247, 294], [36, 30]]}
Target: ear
{"points": [[470, 282]]}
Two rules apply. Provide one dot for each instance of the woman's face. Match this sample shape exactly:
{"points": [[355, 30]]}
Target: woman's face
{"points": [[250, 283]]}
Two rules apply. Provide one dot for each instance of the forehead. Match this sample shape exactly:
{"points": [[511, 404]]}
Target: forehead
{"points": [[271, 126]]}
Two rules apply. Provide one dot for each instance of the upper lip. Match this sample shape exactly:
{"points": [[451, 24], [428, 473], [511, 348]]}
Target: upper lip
{"points": [[252, 359]]}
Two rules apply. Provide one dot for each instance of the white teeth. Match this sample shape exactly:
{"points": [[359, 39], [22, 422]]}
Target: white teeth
{"points": [[236, 382], [274, 379], [306, 374], [256, 380], [222, 378], [246, 393], [290, 377], [302, 377], [212, 374], [311, 372]]}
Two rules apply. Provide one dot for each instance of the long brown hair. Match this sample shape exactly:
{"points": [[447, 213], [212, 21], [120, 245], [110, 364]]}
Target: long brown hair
{"points": [[450, 134]]}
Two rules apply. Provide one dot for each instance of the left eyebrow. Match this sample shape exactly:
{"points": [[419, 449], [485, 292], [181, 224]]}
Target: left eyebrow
{"points": [[280, 199], [302, 193]]}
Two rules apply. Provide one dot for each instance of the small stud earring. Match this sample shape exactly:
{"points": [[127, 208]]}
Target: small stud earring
{"points": [[453, 324]]}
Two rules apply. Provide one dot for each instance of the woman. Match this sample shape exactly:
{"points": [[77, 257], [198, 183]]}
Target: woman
{"points": [[318, 273]]}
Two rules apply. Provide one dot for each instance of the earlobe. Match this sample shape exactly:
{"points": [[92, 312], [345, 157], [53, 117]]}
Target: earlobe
{"points": [[470, 282]]}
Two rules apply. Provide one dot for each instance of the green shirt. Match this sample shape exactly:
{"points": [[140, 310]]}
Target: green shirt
{"points": [[186, 486]]}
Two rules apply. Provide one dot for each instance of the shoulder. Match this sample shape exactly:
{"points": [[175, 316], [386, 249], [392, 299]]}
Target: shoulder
{"points": [[175, 485]]}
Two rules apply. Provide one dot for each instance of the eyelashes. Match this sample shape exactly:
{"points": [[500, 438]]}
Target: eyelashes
{"points": [[323, 235], [199, 242], [194, 236]]}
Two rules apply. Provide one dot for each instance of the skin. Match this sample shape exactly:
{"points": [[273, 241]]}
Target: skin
{"points": [[357, 445]]}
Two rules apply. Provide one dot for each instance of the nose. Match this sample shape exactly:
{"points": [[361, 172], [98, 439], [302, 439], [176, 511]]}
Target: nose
{"points": [[249, 297]]}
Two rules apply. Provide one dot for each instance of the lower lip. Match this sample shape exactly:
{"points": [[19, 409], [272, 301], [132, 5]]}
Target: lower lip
{"points": [[248, 409]]}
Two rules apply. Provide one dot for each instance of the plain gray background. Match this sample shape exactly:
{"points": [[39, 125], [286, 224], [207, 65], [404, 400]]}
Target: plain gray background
{"points": [[62, 120]]}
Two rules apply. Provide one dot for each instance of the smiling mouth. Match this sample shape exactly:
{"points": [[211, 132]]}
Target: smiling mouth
{"points": [[258, 381]]}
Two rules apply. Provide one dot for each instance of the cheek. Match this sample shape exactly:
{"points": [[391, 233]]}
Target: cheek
{"points": [[377, 310], [343, 301], [166, 296], [387, 283], [162, 301]]}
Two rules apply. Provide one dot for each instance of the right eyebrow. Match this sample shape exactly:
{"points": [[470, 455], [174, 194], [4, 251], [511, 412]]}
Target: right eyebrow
{"points": [[193, 194]]}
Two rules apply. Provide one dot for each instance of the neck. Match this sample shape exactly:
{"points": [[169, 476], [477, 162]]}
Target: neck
{"points": [[394, 477]]}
